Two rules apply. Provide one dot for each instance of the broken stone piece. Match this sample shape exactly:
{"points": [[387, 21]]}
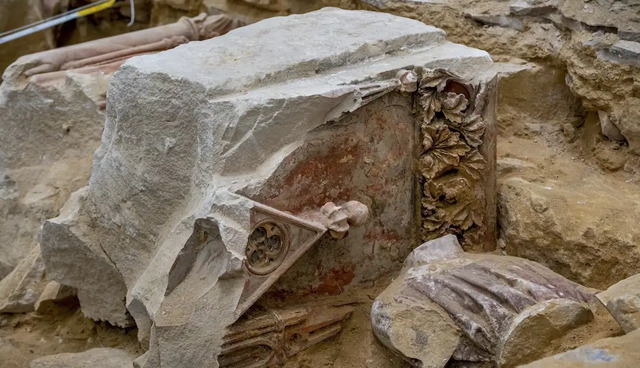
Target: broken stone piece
{"points": [[51, 123], [612, 352], [623, 301], [449, 306], [53, 292], [93, 358], [609, 128], [20, 290]]}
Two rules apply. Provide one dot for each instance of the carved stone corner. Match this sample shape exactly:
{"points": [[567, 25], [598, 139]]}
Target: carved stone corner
{"points": [[456, 164], [278, 239]]}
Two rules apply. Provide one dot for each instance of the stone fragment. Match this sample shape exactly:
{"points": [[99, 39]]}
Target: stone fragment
{"points": [[609, 128], [20, 290], [209, 185], [500, 20], [623, 301], [613, 352], [93, 358], [51, 121], [533, 8], [627, 49], [53, 292], [452, 307]]}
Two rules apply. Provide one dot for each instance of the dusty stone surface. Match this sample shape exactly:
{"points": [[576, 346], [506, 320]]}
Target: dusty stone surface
{"points": [[170, 204], [49, 134], [98, 357], [20, 290], [614, 352], [521, 310], [623, 301]]}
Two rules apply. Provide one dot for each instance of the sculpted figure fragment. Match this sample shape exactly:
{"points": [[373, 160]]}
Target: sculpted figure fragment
{"points": [[449, 306]]}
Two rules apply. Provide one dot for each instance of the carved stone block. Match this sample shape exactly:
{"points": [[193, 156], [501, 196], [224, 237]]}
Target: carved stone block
{"points": [[225, 161]]}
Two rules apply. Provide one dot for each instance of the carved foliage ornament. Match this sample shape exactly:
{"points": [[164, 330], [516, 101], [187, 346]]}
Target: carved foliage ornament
{"points": [[450, 164]]}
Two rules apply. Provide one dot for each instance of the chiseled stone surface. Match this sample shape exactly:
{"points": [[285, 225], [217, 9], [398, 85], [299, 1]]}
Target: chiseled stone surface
{"points": [[613, 352], [448, 306], [93, 358], [20, 290], [623, 301], [48, 134], [196, 133]]}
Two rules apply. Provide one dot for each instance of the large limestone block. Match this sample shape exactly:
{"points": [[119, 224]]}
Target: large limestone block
{"points": [[623, 301], [452, 307], [613, 352], [93, 358], [212, 145]]}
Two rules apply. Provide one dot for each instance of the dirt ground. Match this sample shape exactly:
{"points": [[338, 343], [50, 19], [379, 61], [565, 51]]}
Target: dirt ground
{"points": [[59, 329]]}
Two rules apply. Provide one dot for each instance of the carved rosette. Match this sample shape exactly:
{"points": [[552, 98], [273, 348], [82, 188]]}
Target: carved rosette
{"points": [[451, 165]]}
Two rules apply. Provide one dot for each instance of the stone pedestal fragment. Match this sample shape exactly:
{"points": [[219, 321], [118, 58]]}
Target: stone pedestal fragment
{"points": [[623, 301], [225, 161], [452, 307]]}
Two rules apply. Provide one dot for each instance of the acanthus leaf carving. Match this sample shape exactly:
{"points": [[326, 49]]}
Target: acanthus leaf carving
{"points": [[451, 164], [444, 148]]}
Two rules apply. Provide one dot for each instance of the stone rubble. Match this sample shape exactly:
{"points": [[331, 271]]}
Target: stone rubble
{"points": [[623, 301], [20, 290], [290, 173]]}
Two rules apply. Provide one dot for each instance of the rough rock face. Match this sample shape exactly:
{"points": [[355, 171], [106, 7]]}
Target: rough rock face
{"points": [[623, 301], [613, 352], [196, 165], [452, 307], [98, 357], [48, 135], [51, 119], [19, 291]]}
